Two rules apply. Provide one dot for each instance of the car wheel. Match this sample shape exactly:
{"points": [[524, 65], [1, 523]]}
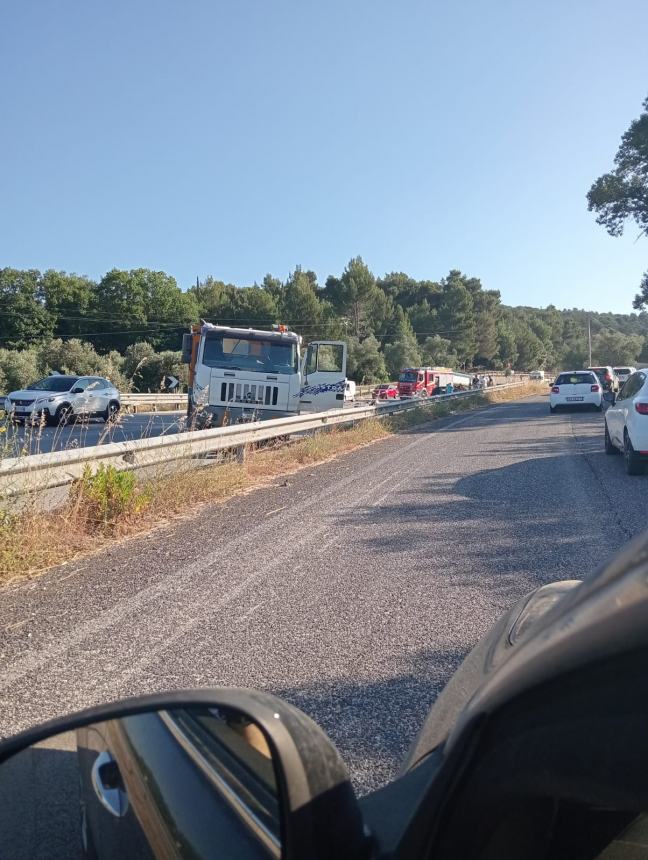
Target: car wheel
{"points": [[599, 408], [609, 447], [552, 409], [63, 414], [111, 411], [633, 462]]}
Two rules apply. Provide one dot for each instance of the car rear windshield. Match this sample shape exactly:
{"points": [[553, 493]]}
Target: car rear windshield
{"points": [[624, 370], [53, 383], [575, 379]]}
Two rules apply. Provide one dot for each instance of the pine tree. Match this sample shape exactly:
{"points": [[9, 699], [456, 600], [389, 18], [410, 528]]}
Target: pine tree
{"points": [[402, 351]]}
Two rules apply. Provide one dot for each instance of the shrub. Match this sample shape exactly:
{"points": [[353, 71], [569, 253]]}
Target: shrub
{"points": [[19, 368], [108, 495]]}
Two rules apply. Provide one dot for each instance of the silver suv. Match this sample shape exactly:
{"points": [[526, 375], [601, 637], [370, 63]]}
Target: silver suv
{"points": [[59, 399]]}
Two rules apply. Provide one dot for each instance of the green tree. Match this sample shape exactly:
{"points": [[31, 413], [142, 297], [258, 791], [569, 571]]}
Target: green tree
{"points": [[356, 296], [141, 302], [506, 343], [70, 299], [77, 356], [402, 350], [366, 364], [614, 348], [423, 319], [19, 368], [622, 194], [437, 351], [457, 318], [300, 307], [24, 319], [215, 299], [486, 306]]}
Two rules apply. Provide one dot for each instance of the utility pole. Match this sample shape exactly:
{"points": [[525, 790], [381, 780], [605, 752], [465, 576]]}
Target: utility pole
{"points": [[589, 339]]}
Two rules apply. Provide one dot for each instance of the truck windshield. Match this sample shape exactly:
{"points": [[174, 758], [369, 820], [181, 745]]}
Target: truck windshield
{"points": [[408, 376], [237, 353]]}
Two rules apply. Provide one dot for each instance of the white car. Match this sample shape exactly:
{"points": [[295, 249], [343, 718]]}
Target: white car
{"points": [[623, 373], [537, 374], [576, 388], [59, 398], [626, 423]]}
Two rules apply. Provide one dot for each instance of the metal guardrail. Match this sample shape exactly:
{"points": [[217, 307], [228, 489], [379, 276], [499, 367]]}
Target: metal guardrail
{"points": [[40, 472], [135, 402]]}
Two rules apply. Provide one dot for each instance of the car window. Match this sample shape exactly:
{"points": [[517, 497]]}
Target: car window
{"points": [[99, 384], [623, 370], [576, 379], [81, 384], [632, 385], [53, 383]]}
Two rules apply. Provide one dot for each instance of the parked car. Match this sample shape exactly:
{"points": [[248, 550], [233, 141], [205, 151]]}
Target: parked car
{"points": [[59, 399], [626, 423], [622, 373], [385, 391], [576, 388], [607, 377], [537, 374]]}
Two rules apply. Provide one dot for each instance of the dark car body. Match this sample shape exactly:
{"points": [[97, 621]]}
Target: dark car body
{"points": [[155, 786], [607, 377]]}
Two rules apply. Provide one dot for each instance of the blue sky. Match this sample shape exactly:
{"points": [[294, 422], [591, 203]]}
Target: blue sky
{"points": [[239, 137]]}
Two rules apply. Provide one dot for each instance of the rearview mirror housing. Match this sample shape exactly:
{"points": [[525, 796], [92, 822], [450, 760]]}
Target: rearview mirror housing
{"points": [[311, 789]]}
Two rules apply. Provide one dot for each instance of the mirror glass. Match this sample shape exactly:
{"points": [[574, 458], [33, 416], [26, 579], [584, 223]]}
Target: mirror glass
{"points": [[194, 782]]}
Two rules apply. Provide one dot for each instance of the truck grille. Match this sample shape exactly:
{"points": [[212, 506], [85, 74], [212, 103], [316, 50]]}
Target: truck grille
{"points": [[245, 392]]}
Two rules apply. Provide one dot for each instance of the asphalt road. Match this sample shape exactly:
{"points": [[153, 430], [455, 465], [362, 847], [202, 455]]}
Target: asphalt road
{"points": [[23, 439], [353, 589]]}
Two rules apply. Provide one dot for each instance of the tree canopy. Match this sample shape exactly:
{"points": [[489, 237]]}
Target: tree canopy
{"points": [[622, 194], [129, 323]]}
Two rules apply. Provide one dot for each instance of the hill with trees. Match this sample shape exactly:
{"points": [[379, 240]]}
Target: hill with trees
{"points": [[128, 325]]}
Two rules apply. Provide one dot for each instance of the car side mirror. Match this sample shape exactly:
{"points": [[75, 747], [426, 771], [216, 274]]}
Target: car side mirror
{"points": [[235, 770], [76, 391]]}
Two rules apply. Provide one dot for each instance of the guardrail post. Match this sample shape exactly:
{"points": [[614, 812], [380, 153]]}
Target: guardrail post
{"points": [[241, 453]]}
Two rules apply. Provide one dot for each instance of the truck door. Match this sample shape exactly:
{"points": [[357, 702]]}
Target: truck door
{"points": [[323, 376]]}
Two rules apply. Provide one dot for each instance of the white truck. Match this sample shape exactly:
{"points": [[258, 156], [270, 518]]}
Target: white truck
{"points": [[246, 374]]}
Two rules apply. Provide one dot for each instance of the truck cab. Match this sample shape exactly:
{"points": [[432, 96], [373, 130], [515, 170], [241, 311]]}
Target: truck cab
{"points": [[238, 374]]}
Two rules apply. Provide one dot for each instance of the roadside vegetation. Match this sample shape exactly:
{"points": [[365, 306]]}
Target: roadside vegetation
{"points": [[109, 505], [128, 325]]}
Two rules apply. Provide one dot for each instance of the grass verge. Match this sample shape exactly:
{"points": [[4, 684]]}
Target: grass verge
{"points": [[108, 506]]}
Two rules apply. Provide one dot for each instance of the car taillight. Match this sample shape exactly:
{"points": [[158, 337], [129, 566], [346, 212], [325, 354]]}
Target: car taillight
{"points": [[642, 408], [555, 390], [594, 388]]}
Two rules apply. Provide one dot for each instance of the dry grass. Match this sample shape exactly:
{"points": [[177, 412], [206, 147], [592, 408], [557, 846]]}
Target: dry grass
{"points": [[32, 541]]}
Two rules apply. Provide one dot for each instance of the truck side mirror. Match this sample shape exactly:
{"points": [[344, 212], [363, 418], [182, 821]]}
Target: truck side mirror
{"points": [[187, 345]]}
